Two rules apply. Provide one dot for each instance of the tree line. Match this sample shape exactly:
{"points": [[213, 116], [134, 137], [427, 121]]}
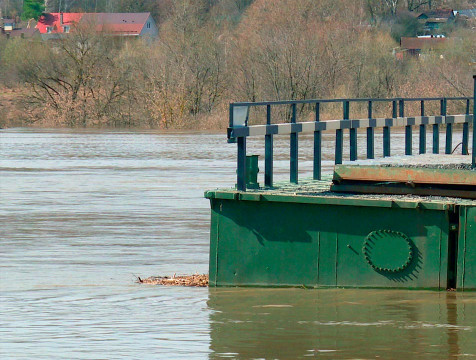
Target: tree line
{"points": [[210, 53]]}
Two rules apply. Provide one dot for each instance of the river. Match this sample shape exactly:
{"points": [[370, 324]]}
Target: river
{"points": [[83, 213]]}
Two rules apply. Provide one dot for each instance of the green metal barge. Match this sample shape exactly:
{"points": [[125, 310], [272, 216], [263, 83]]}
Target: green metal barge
{"points": [[369, 225]]}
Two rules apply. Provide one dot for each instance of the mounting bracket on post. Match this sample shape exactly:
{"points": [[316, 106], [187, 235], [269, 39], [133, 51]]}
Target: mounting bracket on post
{"points": [[252, 172]]}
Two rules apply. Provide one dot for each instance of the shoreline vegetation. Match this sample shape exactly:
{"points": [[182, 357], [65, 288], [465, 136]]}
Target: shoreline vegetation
{"points": [[211, 53]]}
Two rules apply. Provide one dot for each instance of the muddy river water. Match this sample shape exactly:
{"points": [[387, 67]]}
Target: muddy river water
{"points": [[82, 213]]}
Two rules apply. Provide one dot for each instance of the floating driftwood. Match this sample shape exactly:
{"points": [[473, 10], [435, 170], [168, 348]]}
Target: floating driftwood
{"points": [[189, 280]]}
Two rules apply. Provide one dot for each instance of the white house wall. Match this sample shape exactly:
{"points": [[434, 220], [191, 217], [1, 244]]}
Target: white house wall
{"points": [[151, 32]]}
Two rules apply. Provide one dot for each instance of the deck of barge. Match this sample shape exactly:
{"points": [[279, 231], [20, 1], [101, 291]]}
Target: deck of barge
{"points": [[309, 188]]}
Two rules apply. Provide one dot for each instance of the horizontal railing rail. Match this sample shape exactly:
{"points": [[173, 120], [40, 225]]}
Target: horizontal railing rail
{"points": [[239, 129], [314, 101]]}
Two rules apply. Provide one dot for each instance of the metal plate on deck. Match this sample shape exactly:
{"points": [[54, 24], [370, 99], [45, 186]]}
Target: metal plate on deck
{"points": [[404, 175], [421, 176], [402, 189]]}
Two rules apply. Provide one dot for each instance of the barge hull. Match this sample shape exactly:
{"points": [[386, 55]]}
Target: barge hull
{"points": [[267, 239]]}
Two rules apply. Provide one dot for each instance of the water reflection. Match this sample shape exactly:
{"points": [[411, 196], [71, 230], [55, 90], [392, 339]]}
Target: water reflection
{"points": [[452, 319], [341, 324]]}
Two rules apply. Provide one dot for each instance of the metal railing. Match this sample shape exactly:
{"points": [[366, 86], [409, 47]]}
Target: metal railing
{"points": [[239, 130]]}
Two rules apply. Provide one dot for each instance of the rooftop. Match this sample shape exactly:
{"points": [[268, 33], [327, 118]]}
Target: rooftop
{"points": [[437, 14], [414, 43], [467, 12], [112, 23]]}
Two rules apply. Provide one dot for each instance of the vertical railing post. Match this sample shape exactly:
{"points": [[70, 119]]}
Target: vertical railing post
{"points": [[352, 133], [449, 128], [293, 177], [268, 152], [436, 138], [422, 129], [465, 142], [408, 129], [317, 147], [230, 116], [241, 157], [339, 146], [370, 135], [473, 161], [241, 168], [386, 131]]}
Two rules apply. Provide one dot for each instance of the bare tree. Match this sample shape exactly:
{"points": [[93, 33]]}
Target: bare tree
{"points": [[78, 81]]}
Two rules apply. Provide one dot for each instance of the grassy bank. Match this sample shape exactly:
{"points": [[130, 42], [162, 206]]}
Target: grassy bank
{"points": [[10, 113]]}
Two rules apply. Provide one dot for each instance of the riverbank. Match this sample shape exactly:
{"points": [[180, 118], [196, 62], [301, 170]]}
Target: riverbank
{"points": [[18, 110], [10, 113]]}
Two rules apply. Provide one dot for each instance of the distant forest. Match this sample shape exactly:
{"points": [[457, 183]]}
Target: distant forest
{"points": [[212, 52]]}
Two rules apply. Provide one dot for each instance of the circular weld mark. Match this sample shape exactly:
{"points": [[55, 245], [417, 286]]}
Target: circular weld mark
{"points": [[388, 251]]}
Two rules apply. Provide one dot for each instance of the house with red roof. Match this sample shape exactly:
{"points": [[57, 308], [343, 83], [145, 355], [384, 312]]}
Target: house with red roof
{"points": [[56, 25]]}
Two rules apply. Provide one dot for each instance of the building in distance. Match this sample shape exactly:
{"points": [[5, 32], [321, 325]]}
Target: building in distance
{"points": [[57, 25], [412, 47], [434, 20], [11, 28]]}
